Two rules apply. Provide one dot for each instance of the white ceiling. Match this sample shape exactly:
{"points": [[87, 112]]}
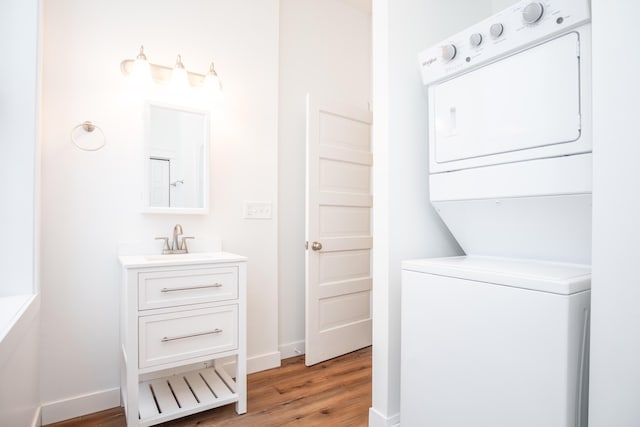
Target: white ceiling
{"points": [[363, 5]]}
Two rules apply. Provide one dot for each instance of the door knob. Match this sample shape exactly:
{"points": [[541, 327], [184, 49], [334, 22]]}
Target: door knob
{"points": [[316, 246]]}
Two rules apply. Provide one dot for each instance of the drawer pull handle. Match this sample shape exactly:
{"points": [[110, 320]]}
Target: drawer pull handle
{"points": [[189, 288], [181, 337]]}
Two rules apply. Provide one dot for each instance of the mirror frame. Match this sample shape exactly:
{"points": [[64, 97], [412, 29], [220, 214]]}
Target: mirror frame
{"points": [[147, 154]]}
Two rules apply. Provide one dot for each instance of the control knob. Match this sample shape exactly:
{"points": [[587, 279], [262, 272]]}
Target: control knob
{"points": [[496, 30], [449, 52], [475, 39], [532, 12]]}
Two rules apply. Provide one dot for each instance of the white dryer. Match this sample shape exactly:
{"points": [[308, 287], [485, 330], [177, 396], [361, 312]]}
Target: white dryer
{"points": [[499, 337], [510, 132]]}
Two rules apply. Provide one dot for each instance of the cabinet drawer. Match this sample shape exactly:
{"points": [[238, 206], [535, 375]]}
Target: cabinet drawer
{"points": [[166, 338], [173, 288]]}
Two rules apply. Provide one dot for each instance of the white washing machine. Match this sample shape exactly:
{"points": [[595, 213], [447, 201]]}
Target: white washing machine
{"points": [[491, 342], [498, 338]]}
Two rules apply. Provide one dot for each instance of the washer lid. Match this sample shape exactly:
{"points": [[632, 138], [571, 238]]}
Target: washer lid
{"points": [[544, 276]]}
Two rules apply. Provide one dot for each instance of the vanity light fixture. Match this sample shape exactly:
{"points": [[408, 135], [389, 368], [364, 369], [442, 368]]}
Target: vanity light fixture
{"points": [[212, 81], [142, 71], [179, 78]]}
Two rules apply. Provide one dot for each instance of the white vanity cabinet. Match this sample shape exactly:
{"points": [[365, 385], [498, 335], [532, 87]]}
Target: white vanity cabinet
{"points": [[182, 328]]}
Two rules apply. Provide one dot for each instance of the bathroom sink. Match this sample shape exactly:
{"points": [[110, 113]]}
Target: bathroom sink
{"points": [[180, 257]]}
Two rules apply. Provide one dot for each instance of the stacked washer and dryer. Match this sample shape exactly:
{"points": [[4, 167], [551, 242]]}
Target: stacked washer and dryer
{"points": [[499, 337]]}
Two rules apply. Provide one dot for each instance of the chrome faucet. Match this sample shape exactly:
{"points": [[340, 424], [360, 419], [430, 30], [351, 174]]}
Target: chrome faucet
{"points": [[177, 246], [177, 231]]}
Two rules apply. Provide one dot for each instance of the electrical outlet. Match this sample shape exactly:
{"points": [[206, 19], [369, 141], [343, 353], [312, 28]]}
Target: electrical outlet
{"points": [[257, 210]]}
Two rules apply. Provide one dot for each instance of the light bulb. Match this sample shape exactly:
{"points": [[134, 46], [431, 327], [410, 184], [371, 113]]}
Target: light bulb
{"points": [[212, 82], [141, 71], [179, 77]]}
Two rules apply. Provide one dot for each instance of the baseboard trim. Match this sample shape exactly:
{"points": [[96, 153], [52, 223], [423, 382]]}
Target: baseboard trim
{"points": [[376, 419], [37, 418], [292, 349], [76, 406], [263, 362]]}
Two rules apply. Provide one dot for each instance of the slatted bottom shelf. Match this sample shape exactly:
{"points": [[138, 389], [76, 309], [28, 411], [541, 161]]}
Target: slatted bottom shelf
{"points": [[177, 396]]}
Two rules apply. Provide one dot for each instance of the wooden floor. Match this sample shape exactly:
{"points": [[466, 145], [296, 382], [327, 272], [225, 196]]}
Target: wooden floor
{"points": [[333, 393]]}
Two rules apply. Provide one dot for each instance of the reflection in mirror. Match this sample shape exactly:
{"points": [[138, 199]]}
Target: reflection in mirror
{"points": [[176, 159]]}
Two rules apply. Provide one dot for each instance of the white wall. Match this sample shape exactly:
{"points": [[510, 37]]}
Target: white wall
{"points": [[615, 342], [92, 200], [325, 49], [405, 225]]}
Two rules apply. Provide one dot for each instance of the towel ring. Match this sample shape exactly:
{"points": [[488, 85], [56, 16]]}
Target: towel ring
{"points": [[88, 128]]}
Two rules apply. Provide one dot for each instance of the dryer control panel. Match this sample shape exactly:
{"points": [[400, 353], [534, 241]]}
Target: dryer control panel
{"points": [[522, 25]]}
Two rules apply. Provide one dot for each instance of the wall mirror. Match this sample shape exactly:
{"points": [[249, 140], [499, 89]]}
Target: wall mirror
{"points": [[176, 159]]}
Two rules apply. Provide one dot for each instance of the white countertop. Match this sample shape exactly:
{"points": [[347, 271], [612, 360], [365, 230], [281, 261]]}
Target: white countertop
{"points": [[157, 260]]}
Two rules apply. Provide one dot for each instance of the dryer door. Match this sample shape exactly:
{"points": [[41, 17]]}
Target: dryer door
{"points": [[526, 104]]}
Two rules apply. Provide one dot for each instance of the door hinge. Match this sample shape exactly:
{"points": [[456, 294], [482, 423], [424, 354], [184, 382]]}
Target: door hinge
{"points": [[306, 245]]}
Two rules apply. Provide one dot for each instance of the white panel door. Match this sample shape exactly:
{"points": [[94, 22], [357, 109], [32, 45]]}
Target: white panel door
{"points": [[338, 230]]}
